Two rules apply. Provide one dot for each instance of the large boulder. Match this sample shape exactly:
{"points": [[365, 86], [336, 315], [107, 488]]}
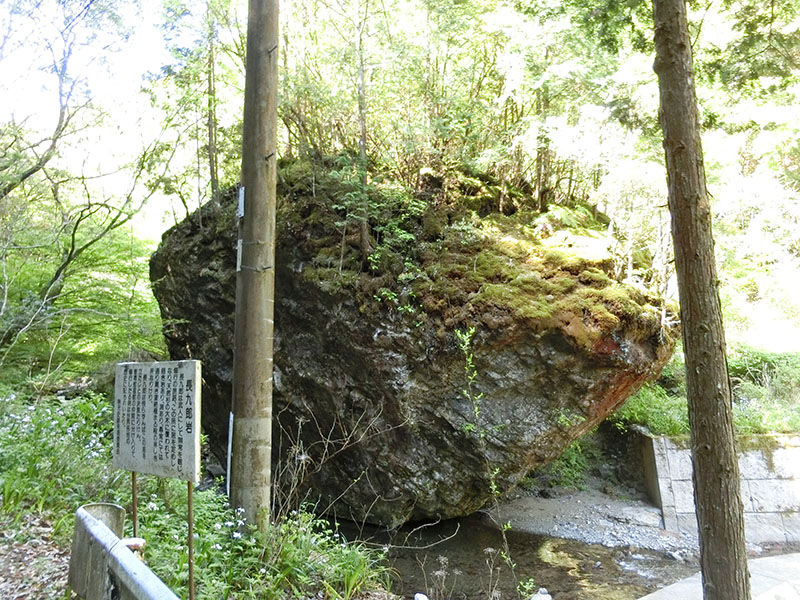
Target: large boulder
{"points": [[420, 391]]}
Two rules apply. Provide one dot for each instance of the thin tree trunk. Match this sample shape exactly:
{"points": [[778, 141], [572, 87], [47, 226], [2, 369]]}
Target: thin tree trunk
{"points": [[723, 557], [255, 278], [64, 117], [213, 168], [360, 24]]}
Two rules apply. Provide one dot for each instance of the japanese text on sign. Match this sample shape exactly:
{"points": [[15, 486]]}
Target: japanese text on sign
{"points": [[157, 418]]}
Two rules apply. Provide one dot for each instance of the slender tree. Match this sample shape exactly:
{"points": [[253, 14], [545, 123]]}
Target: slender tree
{"points": [[54, 218], [720, 518], [255, 281], [360, 25], [25, 154], [211, 104]]}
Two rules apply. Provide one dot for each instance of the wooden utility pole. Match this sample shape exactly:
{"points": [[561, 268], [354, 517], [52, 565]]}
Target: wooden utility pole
{"points": [[723, 557], [251, 448]]}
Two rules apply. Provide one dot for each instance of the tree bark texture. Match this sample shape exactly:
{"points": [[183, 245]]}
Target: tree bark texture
{"points": [[255, 278], [720, 518], [211, 121], [363, 228]]}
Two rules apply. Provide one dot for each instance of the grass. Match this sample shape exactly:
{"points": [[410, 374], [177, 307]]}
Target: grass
{"points": [[299, 556], [570, 469], [656, 409], [765, 388], [55, 455]]}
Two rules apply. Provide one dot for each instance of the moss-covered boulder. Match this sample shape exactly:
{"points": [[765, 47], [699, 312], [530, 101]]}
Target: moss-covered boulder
{"points": [[467, 352]]}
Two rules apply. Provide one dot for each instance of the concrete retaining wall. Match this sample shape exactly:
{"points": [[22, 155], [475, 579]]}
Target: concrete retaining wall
{"points": [[769, 467]]}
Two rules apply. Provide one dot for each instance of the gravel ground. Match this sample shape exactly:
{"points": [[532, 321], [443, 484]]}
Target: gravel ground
{"points": [[594, 517]]}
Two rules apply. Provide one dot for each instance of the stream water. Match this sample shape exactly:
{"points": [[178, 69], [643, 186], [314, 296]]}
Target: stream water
{"points": [[464, 559]]}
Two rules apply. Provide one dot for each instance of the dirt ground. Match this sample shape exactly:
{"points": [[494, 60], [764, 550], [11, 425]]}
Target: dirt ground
{"points": [[32, 566]]}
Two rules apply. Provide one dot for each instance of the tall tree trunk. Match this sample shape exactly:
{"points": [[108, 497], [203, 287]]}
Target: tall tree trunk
{"points": [[360, 24], [723, 557], [255, 278], [543, 166]]}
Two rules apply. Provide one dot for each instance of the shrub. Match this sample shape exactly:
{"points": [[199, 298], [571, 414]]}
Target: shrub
{"points": [[776, 373], [299, 556], [570, 469], [657, 410], [765, 388]]}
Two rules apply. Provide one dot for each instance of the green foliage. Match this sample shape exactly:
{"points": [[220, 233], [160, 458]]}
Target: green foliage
{"points": [[491, 123], [390, 211], [498, 265], [764, 49], [570, 469], [615, 24], [55, 455], [765, 389], [297, 557], [474, 427], [527, 588], [464, 338], [656, 409], [73, 276], [395, 212], [101, 309], [198, 95], [566, 217], [777, 372]]}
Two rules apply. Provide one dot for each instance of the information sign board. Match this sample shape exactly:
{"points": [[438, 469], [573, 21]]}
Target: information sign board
{"points": [[157, 418]]}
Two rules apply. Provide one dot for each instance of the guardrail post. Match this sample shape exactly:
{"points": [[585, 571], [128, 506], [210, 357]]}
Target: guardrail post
{"points": [[101, 567]]}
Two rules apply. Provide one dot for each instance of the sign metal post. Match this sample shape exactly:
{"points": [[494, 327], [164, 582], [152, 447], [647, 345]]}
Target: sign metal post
{"points": [[135, 502]]}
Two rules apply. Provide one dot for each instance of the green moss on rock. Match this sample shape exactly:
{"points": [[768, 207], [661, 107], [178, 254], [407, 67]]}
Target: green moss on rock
{"points": [[456, 268]]}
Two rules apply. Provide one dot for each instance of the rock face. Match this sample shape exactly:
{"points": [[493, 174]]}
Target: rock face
{"points": [[386, 415]]}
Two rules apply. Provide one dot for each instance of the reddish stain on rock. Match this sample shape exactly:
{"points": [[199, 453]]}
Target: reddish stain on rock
{"points": [[605, 346]]}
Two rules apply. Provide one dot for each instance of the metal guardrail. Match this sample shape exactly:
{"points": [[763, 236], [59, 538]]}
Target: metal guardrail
{"points": [[101, 567]]}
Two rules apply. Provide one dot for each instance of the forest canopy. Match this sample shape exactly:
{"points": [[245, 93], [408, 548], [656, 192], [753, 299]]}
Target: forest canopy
{"points": [[543, 106]]}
